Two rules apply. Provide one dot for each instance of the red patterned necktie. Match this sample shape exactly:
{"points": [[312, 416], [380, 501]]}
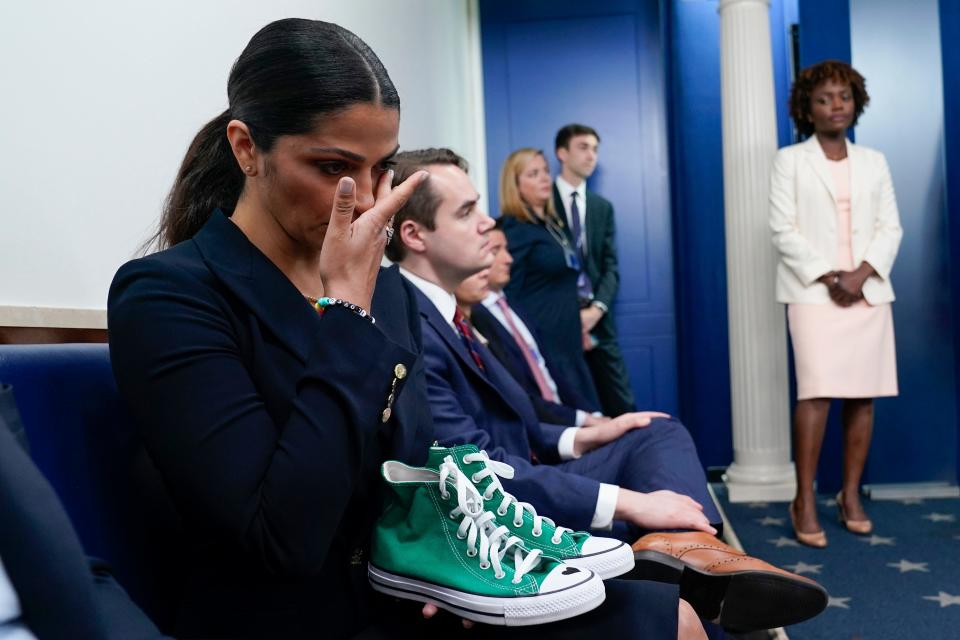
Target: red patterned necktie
{"points": [[466, 334]]}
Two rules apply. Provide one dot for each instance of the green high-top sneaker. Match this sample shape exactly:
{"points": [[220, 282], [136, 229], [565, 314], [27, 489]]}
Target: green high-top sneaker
{"points": [[435, 543], [606, 557]]}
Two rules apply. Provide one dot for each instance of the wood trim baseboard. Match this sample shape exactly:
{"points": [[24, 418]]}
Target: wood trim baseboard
{"points": [[50, 335]]}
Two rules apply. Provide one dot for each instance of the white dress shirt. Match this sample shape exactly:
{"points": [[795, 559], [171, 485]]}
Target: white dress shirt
{"points": [[566, 197], [11, 627]]}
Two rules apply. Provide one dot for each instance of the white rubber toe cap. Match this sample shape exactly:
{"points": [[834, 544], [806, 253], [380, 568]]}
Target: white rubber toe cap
{"points": [[565, 576]]}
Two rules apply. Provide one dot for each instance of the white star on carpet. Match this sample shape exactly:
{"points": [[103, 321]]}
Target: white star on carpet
{"points": [[940, 517], [803, 567], [768, 521], [945, 599], [911, 501], [839, 603], [906, 565], [784, 542], [875, 540], [757, 505], [829, 502]]}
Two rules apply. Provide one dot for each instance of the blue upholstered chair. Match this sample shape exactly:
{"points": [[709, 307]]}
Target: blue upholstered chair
{"points": [[82, 439]]}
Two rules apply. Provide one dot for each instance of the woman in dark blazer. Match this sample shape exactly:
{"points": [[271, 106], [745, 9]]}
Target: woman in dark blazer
{"points": [[543, 278], [268, 415], [266, 412]]}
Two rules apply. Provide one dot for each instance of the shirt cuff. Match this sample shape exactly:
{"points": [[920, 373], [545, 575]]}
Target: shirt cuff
{"points": [[606, 506], [581, 418], [565, 444]]}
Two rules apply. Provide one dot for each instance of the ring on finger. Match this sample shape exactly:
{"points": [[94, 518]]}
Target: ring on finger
{"points": [[389, 231]]}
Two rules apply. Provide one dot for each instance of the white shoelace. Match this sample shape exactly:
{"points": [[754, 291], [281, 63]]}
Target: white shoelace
{"points": [[495, 468], [478, 525]]}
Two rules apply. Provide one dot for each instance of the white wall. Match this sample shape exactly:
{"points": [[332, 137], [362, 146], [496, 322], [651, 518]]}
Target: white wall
{"points": [[100, 99]]}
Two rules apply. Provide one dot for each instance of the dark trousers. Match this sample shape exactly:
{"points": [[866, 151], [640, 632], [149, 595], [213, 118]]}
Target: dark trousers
{"points": [[659, 456], [609, 371], [632, 609]]}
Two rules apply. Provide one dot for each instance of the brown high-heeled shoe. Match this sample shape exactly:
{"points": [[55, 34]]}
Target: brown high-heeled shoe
{"points": [[860, 527], [817, 539]]}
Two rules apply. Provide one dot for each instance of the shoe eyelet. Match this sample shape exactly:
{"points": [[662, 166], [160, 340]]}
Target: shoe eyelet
{"points": [[515, 581], [555, 540], [474, 479], [537, 533], [484, 565], [501, 512], [471, 553], [518, 523], [444, 495], [500, 576], [452, 515], [460, 537]]}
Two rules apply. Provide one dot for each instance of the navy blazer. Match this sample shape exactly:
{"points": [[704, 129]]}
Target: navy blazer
{"points": [[501, 343], [544, 289], [264, 420], [489, 409]]}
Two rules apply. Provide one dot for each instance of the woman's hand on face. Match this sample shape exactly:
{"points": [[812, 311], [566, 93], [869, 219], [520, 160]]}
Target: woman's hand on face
{"points": [[352, 249]]}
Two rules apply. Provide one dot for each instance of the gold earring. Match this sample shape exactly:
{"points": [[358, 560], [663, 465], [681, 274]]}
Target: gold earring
{"points": [[248, 169]]}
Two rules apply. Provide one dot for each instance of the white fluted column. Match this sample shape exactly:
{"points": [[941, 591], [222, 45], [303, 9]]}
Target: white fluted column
{"points": [[761, 470]]}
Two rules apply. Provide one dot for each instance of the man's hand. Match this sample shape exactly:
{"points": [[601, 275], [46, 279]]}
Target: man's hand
{"points": [[600, 434], [660, 510], [593, 420], [588, 341], [589, 317]]}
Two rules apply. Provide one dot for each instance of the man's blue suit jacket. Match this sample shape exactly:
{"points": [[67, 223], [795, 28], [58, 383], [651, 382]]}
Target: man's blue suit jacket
{"points": [[501, 343], [489, 409]]}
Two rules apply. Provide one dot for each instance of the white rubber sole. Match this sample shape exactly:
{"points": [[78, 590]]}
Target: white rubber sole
{"points": [[606, 564], [511, 612]]}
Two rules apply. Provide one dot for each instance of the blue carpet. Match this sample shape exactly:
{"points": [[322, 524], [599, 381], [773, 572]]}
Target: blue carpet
{"points": [[902, 582]]}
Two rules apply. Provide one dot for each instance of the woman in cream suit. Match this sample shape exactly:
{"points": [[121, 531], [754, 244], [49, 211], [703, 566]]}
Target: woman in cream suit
{"points": [[835, 223]]}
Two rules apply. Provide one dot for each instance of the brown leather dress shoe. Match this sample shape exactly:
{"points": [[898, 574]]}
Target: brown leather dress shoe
{"points": [[739, 592]]}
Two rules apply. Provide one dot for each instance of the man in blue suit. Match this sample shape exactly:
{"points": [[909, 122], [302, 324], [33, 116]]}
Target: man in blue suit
{"points": [[515, 342]]}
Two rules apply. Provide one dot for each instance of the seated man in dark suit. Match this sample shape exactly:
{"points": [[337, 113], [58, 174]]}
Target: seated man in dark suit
{"points": [[634, 473], [514, 341], [48, 589]]}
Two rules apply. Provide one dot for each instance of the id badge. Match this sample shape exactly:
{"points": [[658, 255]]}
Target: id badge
{"points": [[571, 260]]}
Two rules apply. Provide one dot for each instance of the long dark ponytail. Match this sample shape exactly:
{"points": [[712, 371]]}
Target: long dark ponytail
{"points": [[291, 72]]}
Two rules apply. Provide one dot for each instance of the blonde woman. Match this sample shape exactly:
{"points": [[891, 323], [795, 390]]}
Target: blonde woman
{"points": [[543, 278]]}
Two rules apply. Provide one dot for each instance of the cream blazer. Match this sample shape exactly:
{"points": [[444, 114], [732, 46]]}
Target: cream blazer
{"points": [[803, 217]]}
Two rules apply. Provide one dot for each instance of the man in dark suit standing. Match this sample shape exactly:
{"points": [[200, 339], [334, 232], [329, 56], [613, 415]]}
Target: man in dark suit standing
{"points": [[590, 224]]}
